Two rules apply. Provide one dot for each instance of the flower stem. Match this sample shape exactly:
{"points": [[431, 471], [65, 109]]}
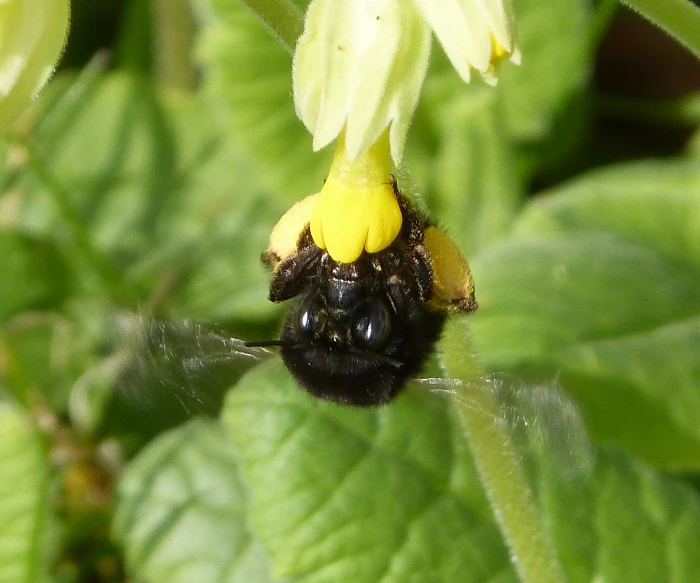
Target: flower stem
{"points": [[497, 461], [679, 18], [371, 168], [603, 15], [282, 17], [174, 36]]}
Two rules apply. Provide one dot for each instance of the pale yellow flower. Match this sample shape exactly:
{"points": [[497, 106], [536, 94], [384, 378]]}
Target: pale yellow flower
{"points": [[358, 71], [360, 64]]}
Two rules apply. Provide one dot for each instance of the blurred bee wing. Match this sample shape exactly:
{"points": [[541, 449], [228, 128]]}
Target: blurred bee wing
{"points": [[540, 420], [182, 361]]}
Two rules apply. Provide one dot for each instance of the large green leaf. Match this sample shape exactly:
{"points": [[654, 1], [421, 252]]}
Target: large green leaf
{"points": [[649, 203], [23, 499], [341, 494], [181, 512], [557, 61], [610, 517], [601, 287], [33, 277], [626, 522], [151, 205]]}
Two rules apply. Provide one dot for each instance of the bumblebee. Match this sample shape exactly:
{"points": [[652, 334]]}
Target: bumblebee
{"points": [[357, 332]]}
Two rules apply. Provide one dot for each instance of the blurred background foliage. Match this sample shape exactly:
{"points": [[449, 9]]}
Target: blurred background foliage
{"points": [[145, 181]]}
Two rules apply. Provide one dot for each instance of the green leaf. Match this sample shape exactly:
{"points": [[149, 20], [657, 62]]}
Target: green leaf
{"points": [[649, 203], [556, 65], [609, 516], [23, 497], [626, 522], [151, 193], [181, 512], [474, 147], [473, 187], [32, 275], [253, 93], [26, 354], [342, 494], [601, 287]]}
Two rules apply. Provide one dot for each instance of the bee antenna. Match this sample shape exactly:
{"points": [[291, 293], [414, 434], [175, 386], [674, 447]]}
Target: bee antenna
{"points": [[263, 343], [387, 360], [380, 357]]}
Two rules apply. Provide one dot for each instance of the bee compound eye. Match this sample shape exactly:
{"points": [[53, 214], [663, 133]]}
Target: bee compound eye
{"points": [[373, 327], [309, 320]]}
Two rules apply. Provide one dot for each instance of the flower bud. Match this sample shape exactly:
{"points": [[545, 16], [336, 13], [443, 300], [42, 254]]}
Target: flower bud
{"points": [[32, 36]]}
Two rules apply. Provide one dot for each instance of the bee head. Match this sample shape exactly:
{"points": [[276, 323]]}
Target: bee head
{"points": [[357, 351]]}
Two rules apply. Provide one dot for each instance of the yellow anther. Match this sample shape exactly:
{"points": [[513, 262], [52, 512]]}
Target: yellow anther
{"points": [[498, 51]]}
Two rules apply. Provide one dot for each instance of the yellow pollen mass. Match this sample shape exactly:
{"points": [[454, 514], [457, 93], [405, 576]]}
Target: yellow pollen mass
{"points": [[498, 51], [356, 209]]}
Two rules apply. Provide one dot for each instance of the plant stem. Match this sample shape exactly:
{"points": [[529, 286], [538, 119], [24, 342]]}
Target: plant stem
{"points": [[602, 17], [282, 17], [497, 461], [174, 35], [679, 18]]}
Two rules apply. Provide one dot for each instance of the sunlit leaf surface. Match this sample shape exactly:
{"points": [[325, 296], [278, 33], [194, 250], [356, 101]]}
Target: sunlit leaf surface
{"points": [[23, 510], [608, 300]]}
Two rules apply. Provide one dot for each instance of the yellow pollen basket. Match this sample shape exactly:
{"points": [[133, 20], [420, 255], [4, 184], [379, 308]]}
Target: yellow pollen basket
{"points": [[356, 209]]}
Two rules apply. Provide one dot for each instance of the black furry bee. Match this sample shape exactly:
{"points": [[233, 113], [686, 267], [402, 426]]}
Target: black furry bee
{"points": [[357, 332]]}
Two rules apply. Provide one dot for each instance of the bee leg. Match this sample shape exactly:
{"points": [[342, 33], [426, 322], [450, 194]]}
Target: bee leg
{"points": [[414, 222], [292, 275], [423, 271]]}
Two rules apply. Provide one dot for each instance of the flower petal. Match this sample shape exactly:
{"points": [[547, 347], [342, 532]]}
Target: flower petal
{"points": [[392, 102], [376, 49], [360, 65], [501, 19], [467, 30], [408, 75]]}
